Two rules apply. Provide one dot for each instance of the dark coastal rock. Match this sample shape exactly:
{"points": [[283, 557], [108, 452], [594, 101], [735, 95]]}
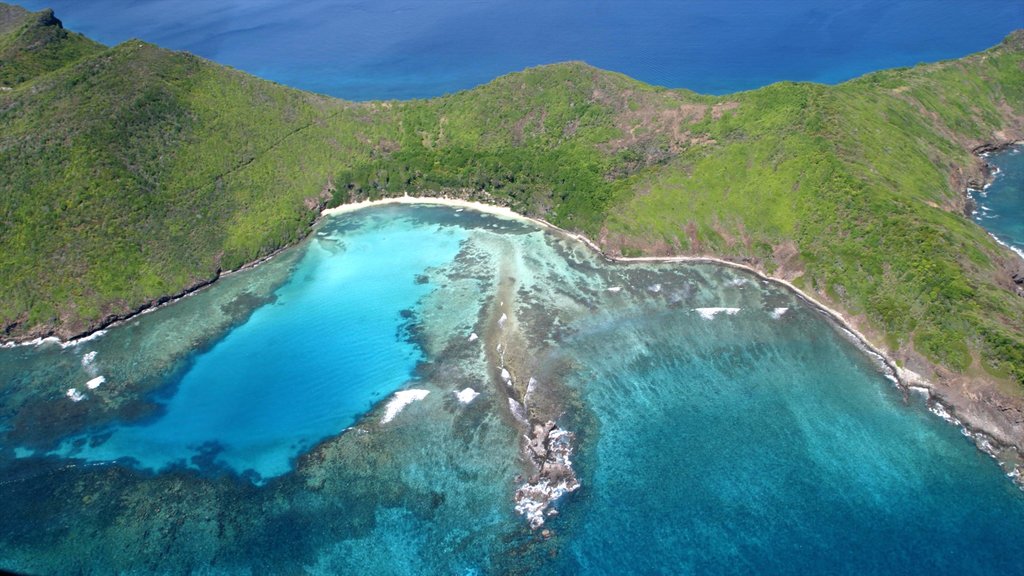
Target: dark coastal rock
{"points": [[46, 18], [549, 448], [970, 205], [991, 147]]}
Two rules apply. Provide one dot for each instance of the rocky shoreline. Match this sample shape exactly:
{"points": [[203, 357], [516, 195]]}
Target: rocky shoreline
{"points": [[986, 172], [993, 420], [69, 338]]}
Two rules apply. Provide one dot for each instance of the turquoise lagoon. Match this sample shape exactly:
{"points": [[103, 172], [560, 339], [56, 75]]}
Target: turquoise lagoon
{"points": [[722, 425], [299, 369]]}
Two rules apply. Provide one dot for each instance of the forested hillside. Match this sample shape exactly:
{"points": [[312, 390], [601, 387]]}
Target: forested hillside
{"points": [[131, 173], [34, 44]]}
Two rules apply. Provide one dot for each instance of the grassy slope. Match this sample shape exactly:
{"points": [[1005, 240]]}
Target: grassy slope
{"points": [[855, 191], [32, 44], [136, 172], [114, 176]]}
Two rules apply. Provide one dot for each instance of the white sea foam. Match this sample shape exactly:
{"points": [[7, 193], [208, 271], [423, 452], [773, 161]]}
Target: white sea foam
{"points": [[501, 321], [532, 504], [1016, 250], [615, 289], [517, 410], [88, 358], [984, 444], [400, 400], [95, 382], [466, 395], [710, 313], [81, 340], [940, 410], [75, 395], [506, 376], [473, 337], [533, 499], [778, 312], [926, 393], [55, 340], [531, 385], [655, 288]]}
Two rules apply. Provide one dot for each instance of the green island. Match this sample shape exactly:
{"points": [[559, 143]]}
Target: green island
{"points": [[133, 174]]}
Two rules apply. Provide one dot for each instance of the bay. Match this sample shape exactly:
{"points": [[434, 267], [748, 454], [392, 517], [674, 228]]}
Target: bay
{"points": [[1001, 205], [720, 423]]}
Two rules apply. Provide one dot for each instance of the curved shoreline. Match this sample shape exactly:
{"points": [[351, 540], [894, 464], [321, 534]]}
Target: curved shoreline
{"points": [[114, 320], [989, 174], [903, 378]]}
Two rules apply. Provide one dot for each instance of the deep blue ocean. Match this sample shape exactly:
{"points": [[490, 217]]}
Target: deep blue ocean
{"points": [[380, 49], [344, 409]]}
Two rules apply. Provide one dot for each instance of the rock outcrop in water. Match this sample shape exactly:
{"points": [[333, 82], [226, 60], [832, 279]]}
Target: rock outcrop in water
{"points": [[511, 341], [549, 448]]}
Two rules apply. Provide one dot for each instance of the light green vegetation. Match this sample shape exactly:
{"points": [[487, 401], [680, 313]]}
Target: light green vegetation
{"points": [[866, 180], [132, 173], [34, 44]]}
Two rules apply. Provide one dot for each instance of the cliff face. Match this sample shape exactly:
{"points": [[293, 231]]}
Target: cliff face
{"points": [[132, 173]]}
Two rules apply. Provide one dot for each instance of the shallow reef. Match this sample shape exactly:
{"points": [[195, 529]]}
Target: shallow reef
{"points": [[556, 413]]}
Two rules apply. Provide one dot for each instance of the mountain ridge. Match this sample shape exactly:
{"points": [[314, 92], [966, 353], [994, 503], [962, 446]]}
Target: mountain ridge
{"points": [[132, 173], [36, 43]]}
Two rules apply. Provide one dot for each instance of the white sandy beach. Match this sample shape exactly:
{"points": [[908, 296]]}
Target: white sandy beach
{"points": [[430, 200], [905, 376]]}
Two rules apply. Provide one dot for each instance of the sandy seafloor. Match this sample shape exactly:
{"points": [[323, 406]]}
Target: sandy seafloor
{"points": [[721, 425]]}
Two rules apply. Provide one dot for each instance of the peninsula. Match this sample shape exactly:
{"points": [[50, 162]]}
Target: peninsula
{"points": [[132, 174]]}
